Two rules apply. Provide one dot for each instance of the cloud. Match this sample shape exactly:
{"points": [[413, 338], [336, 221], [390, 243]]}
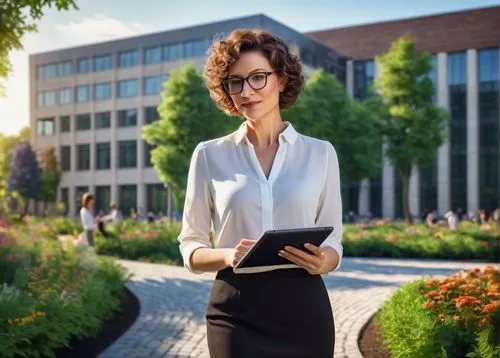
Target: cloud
{"points": [[100, 28]]}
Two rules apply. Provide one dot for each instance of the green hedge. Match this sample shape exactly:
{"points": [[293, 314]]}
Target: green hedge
{"points": [[48, 295], [458, 316]]}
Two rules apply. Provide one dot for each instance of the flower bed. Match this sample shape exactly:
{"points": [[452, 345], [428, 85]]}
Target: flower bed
{"points": [[49, 295], [457, 316], [417, 241]]}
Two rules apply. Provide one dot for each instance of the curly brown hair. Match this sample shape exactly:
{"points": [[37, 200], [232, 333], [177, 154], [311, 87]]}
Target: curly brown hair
{"points": [[226, 52]]}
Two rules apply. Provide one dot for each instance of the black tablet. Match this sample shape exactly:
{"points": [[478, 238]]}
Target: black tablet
{"points": [[263, 256]]}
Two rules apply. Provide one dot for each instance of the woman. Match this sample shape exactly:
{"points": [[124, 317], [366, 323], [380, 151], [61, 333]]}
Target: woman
{"points": [[88, 222], [263, 176]]}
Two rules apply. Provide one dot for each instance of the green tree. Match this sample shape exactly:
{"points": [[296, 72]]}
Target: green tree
{"points": [[187, 117], [325, 110], [17, 19], [7, 144], [51, 176], [412, 126]]}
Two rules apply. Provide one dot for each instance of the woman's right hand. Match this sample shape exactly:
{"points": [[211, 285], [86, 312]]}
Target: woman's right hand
{"points": [[233, 256]]}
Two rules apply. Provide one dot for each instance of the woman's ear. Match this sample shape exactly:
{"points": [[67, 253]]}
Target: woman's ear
{"points": [[283, 80]]}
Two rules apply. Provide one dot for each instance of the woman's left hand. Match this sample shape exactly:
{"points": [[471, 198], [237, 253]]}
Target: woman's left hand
{"points": [[312, 263]]}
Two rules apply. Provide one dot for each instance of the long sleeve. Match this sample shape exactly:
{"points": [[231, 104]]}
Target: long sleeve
{"points": [[330, 204], [196, 219], [87, 219]]}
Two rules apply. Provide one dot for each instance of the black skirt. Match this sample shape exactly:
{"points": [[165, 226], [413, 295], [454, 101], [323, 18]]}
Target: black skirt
{"points": [[280, 313]]}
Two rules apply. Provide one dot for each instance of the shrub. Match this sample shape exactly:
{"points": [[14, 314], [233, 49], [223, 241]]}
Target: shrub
{"points": [[453, 317]]}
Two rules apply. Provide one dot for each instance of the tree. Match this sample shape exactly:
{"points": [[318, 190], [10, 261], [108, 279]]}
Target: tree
{"points": [[412, 126], [51, 176], [325, 110], [17, 19], [187, 117], [7, 143], [25, 174]]}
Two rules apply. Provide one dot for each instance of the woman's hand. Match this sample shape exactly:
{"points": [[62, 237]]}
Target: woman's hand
{"points": [[233, 256], [313, 263]]}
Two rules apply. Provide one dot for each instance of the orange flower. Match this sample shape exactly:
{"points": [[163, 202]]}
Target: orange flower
{"points": [[491, 307]]}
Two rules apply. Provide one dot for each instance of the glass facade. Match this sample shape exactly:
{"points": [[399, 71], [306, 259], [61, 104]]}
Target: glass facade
{"points": [[102, 120], [65, 95], [45, 126], [102, 199], [102, 91], [457, 86], [152, 55], [127, 118], [83, 65], [65, 199], [47, 98], [82, 93], [65, 123], [64, 68], [147, 155], [152, 85], [428, 175], [83, 122], [172, 52], [127, 153], [83, 156], [51, 70], [364, 75], [65, 156], [103, 63], [156, 198], [195, 48], [127, 196], [151, 114], [127, 88], [103, 156], [128, 58], [489, 129]]}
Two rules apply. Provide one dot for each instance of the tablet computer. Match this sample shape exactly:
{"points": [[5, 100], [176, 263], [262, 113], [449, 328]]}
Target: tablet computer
{"points": [[263, 256]]}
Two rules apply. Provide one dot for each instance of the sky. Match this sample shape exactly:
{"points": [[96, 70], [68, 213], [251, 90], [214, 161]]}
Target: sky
{"points": [[100, 20]]}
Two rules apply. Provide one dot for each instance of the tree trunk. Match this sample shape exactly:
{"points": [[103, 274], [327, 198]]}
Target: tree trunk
{"points": [[405, 181]]}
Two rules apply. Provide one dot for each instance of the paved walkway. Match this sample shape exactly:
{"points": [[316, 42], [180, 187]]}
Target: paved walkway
{"points": [[173, 302]]}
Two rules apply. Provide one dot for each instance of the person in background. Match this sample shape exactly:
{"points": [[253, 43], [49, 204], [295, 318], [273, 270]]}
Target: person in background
{"points": [[114, 214], [86, 217], [431, 219], [452, 220]]}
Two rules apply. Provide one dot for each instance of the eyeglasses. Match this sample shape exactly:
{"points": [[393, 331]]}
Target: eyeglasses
{"points": [[256, 81]]}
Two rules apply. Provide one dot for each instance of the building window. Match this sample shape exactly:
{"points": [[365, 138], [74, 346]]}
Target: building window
{"points": [[127, 152], [172, 52], [127, 118], [147, 154], [65, 123], [153, 85], [127, 196], [47, 99], [102, 91], [82, 94], [45, 126], [66, 158], [428, 175], [157, 198], [127, 88], [457, 86], [152, 55], [83, 156], [102, 199], [128, 58], [195, 48], [102, 120], [83, 65], [65, 95], [103, 156], [65, 199], [364, 74], [83, 122], [489, 127], [103, 63], [151, 114], [80, 190], [47, 71], [65, 68]]}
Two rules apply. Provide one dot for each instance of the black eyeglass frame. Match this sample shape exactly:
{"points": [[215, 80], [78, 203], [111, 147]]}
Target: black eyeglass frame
{"points": [[224, 81]]}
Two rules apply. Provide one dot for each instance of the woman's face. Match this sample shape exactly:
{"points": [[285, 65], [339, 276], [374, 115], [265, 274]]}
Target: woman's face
{"points": [[254, 103], [91, 203]]}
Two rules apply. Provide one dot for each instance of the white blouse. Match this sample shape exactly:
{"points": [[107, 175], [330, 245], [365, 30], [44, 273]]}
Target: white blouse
{"points": [[228, 191], [87, 219]]}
